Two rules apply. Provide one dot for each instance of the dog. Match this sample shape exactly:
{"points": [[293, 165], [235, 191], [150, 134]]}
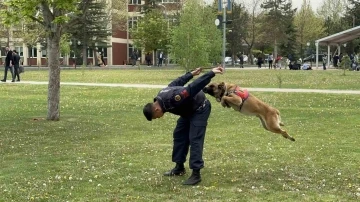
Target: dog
{"points": [[232, 96]]}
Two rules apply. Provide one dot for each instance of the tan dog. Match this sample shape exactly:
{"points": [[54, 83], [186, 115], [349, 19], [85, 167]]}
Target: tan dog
{"points": [[231, 95]]}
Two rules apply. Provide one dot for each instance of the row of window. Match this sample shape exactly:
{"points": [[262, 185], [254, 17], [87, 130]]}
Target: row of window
{"points": [[138, 2], [33, 52], [133, 21]]}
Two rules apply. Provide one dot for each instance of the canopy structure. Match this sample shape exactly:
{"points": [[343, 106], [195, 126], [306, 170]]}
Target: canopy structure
{"points": [[337, 39]]}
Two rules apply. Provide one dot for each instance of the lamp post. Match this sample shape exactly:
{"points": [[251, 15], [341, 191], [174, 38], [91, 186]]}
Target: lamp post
{"points": [[167, 20], [74, 58], [308, 45]]}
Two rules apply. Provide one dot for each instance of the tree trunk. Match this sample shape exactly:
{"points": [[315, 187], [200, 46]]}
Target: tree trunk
{"points": [[275, 49], [54, 77], [84, 55], [96, 63]]}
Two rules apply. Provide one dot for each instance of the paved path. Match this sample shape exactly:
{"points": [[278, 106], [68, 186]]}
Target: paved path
{"points": [[162, 86]]}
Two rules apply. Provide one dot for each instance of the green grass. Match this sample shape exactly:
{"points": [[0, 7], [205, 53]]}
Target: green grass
{"points": [[103, 149], [331, 79]]}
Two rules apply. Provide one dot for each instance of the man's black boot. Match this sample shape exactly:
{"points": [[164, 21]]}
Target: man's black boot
{"points": [[179, 170], [194, 178]]}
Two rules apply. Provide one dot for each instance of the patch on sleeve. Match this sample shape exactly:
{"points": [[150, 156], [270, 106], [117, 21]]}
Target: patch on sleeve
{"points": [[184, 93], [177, 97]]}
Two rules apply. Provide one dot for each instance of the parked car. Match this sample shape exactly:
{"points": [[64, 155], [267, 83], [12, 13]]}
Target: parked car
{"points": [[228, 60]]}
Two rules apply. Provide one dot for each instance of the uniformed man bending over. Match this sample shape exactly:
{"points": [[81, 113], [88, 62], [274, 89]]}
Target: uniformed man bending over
{"points": [[194, 109]]}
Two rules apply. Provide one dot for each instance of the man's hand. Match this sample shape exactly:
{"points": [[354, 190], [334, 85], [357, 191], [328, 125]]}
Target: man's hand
{"points": [[218, 70], [196, 71]]}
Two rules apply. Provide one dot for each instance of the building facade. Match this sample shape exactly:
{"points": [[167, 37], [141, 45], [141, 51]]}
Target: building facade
{"points": [[117, 51]]}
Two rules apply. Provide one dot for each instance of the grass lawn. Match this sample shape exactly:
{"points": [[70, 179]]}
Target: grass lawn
{"points": [[103, 149], [331, 79]]}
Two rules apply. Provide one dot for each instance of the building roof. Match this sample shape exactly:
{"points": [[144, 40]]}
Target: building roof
{"points": [[341, 37]]}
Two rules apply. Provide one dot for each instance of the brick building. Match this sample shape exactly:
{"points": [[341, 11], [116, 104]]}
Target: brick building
{"points": [[116, 52]]}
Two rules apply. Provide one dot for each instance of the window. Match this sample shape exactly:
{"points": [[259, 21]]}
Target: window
{"points": [[133, 22], [90, 53], [103, 50], [19, 49], [169, 1], [134, 2], [43, 53], [3, 52], [72, 54], [32, 52]]}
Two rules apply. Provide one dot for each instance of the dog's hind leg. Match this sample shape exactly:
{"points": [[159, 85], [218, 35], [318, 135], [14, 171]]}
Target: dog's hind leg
{"points": [[279, 118], [274, 126], [263, 122]]}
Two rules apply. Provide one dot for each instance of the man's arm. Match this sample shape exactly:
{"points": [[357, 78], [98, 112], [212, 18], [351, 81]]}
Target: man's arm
{"points": [[196, 86], [182, 80]]}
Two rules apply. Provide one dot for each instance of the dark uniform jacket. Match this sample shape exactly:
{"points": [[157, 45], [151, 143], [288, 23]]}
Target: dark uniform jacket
{"points": [[16, 60], [9, 57], [184, 101]]}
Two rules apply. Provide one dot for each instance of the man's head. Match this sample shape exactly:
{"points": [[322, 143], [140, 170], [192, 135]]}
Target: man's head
{"points": [[153, 111], [14, 52], [7, 48]]}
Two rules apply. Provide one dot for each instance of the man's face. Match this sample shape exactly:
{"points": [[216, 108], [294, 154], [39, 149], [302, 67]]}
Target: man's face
{"points": [[157, 113], [7, 48]]}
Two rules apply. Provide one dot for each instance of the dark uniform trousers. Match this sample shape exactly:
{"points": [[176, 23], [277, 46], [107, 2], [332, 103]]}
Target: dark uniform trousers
{"points": [[190, 131], [6, 71], [16, 72]]}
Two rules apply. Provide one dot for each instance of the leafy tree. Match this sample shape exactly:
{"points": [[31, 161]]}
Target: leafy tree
{"points": [[310, 27], [119, 13], [238, 29], [252, 26], [352, 13], [152, 32], [93, 26], [212, 34], [345, 64], [196, 38], [150, 5], [52, 15], [332, 11], [288, 45], [352, 19], [277, 20]]}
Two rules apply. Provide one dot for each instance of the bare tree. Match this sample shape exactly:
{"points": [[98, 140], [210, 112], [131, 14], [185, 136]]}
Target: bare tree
{"points": [[253, 7]]}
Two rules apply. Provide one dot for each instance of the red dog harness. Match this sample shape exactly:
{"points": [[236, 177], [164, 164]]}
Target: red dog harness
{"points": [[242, 93]]}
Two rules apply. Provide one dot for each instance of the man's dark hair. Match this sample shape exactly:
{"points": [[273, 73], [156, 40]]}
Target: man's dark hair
{"points": [[148, 111]]}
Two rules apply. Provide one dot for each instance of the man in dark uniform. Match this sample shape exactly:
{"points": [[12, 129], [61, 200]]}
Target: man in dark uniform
{"points": [[194, 110], [16, 61], [8, 64]]}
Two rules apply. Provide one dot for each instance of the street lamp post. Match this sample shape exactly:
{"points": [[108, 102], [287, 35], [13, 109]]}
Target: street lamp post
{"points": [[74, 58], [167, 20], [224, 31], [308, 45]]}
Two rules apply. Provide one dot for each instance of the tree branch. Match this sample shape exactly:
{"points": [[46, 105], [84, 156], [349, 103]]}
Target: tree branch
{"points": [[36, 20]]}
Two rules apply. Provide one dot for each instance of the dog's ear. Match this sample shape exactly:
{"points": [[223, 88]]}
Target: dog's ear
{"points": [[221, 85]]}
